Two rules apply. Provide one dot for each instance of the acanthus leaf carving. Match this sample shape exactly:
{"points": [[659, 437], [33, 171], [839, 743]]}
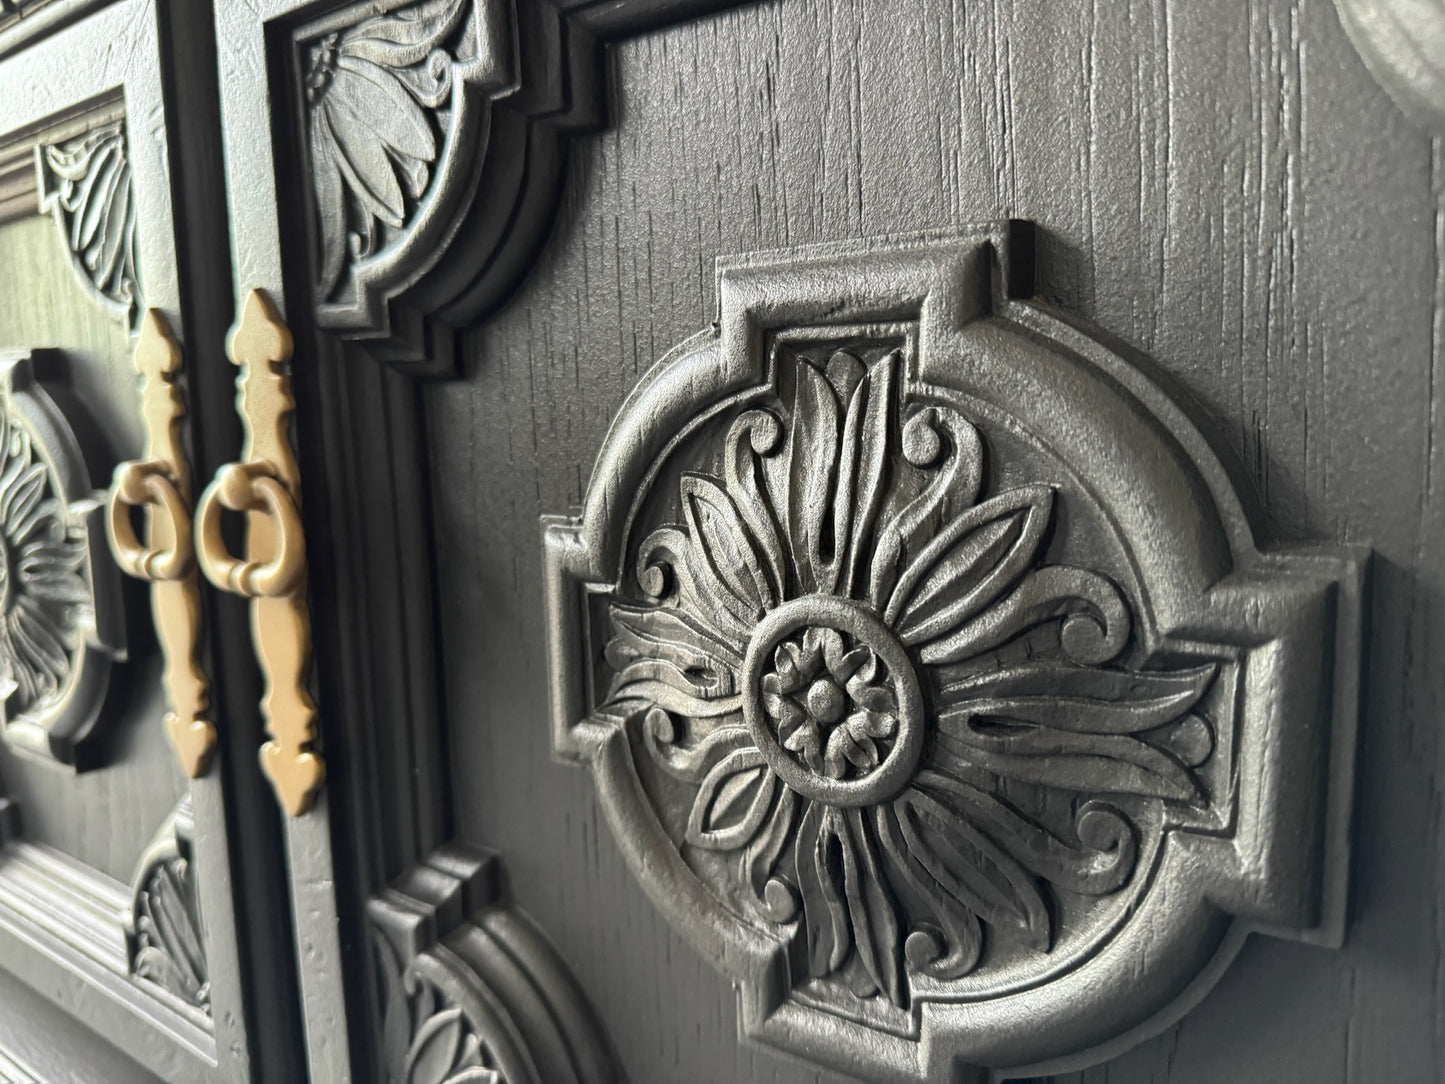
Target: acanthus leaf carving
{"points": [[167, 937], [900, 694], [85, 183]]}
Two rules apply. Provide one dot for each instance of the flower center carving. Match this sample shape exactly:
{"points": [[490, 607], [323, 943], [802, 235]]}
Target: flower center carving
{"points": [[835, 706]]}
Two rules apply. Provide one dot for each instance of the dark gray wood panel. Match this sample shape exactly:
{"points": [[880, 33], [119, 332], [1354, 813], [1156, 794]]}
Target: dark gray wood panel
{"points": [[1231, 194]]}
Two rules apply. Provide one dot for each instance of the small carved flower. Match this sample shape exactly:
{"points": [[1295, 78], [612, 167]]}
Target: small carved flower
{"points": [[830, 706], [825, 653]]}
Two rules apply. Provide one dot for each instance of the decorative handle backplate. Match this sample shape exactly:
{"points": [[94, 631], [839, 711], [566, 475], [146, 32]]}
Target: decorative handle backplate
{"points": [[160, 484], [266, 487]]}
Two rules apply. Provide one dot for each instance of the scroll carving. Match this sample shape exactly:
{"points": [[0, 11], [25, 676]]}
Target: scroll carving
{"points": [[59, 605], [903, 697], [167, 940], [85, 182], [471, 992]]}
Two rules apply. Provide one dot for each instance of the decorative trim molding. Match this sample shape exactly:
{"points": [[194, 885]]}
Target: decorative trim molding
{"points": [[1402, 42], [166, 941], [930, 676], [470, 989], [85, 183], [80, 929], [59, 589], [23, 22]]}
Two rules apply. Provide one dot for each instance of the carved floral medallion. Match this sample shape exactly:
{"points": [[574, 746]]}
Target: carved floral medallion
{"points": [[58, 630], [931, 679], [820, 653]]}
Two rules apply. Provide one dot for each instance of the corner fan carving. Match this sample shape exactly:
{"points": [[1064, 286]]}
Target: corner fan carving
{"points": [[903, 696], [85, 182], [376, 94], [58, 593], [167, 942], [433, 134]]}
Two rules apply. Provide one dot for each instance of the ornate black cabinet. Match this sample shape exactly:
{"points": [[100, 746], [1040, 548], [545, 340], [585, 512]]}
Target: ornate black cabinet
{"points": [[678, 540], [143, 924]]}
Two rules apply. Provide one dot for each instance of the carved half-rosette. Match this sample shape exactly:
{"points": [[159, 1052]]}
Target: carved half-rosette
{"points": [[432, 134], [60, 620], [930, 675], [471, 991]]}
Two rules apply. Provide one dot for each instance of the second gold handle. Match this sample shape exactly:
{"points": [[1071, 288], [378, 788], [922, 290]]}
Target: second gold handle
{"points": [[265, 486]]}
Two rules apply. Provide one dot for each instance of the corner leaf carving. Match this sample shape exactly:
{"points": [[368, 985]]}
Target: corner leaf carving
{"points": [[373, 92], [167, 936], [470, 992], [434, 135], [85, 182]]}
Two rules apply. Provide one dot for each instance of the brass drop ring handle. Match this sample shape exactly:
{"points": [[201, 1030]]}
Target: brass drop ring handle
{"points": [[251, 487], [148, 484]]}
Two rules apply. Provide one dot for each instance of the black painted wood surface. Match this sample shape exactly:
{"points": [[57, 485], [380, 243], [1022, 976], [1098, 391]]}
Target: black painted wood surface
{"points": [[1225, 190]]}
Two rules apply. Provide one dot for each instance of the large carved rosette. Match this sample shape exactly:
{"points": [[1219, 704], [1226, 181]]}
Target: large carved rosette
{"points": [[905, 729], [907, 652]]}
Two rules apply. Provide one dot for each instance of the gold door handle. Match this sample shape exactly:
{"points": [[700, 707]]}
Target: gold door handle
{"points": [[266, 486], [251, 487], [159, 485]]}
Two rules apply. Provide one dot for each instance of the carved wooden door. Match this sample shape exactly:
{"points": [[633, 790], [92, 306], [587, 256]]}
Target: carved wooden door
{"points": [[143, 916]]}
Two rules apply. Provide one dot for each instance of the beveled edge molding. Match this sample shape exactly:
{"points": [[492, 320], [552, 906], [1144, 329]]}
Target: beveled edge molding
{"points": [[1270, 856], [23, 22], [265, 485], [470, 988], [160, 483], [61, 591], [71, 930], [1402, 42]]}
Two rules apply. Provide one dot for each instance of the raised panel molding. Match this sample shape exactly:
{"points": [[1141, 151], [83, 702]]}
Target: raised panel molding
{"points": [[930, 675], [470, 989], [140, 947]]}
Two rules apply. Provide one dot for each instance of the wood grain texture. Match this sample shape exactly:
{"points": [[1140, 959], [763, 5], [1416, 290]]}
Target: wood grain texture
{"points": [[1226, 191]]}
